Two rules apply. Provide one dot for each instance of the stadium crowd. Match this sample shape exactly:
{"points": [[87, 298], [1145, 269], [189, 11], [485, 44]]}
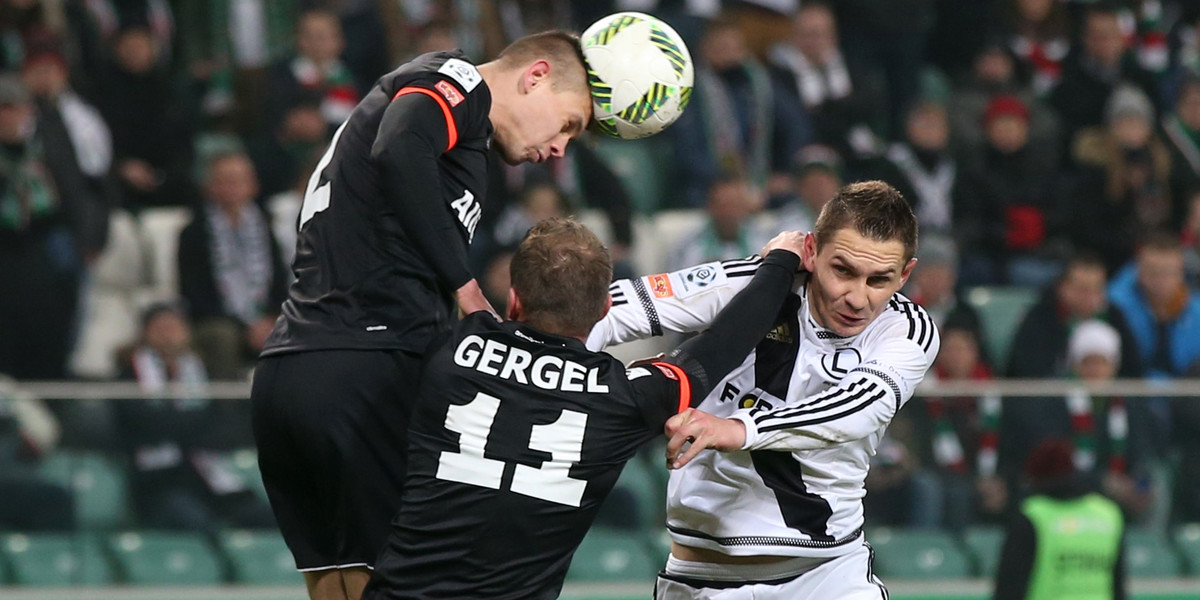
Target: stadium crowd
{"points": [[1051, 145]]}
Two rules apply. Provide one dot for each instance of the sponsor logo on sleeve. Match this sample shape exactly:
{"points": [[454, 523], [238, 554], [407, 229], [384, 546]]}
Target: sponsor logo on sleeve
{"points": [[668, 372], [661, 285], [449, 92], [698, 279], [463, 72]]}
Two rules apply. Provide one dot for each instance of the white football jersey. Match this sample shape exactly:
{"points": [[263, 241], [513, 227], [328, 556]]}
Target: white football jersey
{"points": [[815, 406]]}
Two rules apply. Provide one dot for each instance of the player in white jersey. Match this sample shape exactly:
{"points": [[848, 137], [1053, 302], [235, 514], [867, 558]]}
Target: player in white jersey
{"points": [[776, 512]]}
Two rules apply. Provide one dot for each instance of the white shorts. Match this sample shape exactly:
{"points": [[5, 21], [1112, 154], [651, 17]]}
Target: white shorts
{"points": [[846, 577]]}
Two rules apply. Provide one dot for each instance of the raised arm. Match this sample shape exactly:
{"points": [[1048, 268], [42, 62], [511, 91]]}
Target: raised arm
{"points": [[681, 301]]}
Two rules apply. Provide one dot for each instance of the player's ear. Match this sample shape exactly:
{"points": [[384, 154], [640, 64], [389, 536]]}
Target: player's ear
{"points": [[808, 255], [607, 306], [538, 73], [908, 269], [515, 310]]}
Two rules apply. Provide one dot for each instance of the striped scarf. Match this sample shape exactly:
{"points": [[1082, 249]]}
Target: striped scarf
{"points": [[242, 261], [334, 81]]}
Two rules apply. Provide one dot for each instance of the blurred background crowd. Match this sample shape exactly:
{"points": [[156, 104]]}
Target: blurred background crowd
{"points": [[154, 153]]}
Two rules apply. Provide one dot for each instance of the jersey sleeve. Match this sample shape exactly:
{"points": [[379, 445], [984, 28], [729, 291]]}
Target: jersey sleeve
{"points": [[681, 301], [866, 399], [423, 121], [654, 382]]}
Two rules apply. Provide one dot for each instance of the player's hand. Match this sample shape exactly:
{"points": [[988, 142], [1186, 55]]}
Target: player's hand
{"points": [[470, 299], [792, 241], [692, 431]]}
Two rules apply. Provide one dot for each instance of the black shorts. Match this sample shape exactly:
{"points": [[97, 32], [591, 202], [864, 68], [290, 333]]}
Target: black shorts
{"points": [[332, 433]]}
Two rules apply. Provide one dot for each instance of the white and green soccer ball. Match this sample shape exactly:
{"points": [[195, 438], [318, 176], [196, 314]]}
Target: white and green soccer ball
{"points": [[640, 74]]}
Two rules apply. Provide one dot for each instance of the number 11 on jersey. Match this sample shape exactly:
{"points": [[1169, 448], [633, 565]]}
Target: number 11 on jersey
{"points": [[551, 481]]}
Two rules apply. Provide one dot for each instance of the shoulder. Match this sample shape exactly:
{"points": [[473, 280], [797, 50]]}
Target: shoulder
{"points": [[909, 320]]}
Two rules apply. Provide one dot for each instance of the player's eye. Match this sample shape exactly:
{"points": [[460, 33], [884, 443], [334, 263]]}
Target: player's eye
{"points": [[878, 281]]}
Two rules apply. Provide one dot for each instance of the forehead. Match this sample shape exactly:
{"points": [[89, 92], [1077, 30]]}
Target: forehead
{"points": [[853, 249]]}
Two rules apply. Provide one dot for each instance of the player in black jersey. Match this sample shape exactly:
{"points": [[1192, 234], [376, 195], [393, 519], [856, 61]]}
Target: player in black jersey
{"points": [[380, 262], [520, 431]]}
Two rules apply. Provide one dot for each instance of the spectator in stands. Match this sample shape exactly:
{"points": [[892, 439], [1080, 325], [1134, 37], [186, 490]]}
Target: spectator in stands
{"points": [[1115, 443], [50, 223], [1127, 182], [23, 21], [727, 231], [934, 285], [889, 37], [740, 122], [1046, 530], [1037, 33], [818, 179], [840, 99], [954, 438], [231, 274], [1182, 129], [922, 167], [1118, 430], [1039, 348], [28, 430], [179, 480], [366, 54], [539, 200], [1163, 312], [96, 25], [63, 113], [316, 67], [994, 73], [585, 181], [1005, 203], [1093, 71], [150, 121], [279, 157], [226, 46]]}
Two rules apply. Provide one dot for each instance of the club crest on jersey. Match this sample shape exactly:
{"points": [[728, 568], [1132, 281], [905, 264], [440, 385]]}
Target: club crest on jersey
{"points": [[782, 333], [661, 285], [449, 92], [463, 72], [840, 362], [700, 278]]}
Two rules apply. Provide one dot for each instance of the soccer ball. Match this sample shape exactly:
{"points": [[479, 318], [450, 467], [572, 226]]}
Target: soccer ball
{"points": [[640, 73]]}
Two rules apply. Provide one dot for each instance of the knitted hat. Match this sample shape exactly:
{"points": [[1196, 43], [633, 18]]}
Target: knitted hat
{"points": [[1129, 101], [1093, 337], [1051, 459], [1005, 105]]}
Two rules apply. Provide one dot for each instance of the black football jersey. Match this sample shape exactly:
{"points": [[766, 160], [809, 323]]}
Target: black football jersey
{"points": [[362, 279], [518, 435]]}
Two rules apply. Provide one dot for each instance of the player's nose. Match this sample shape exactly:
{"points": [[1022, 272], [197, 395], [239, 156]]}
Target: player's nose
{"points": [[558, 146]]}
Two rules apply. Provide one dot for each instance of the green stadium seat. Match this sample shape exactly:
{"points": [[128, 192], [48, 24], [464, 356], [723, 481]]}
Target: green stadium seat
{"points": [[1001, 310], [1187, 538], [99, 484], [985, 544], [244, 462], [258, 557], [161, 558], [55, 559], [918, 554], [648, 490], [610, 555], [1147, 554]]}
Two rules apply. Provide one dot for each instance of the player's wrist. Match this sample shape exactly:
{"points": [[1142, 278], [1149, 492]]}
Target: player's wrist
{"points": [[750, 429]]}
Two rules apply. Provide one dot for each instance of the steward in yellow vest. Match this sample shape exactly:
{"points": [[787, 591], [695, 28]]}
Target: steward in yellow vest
{"points": [[1066, 542]]}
